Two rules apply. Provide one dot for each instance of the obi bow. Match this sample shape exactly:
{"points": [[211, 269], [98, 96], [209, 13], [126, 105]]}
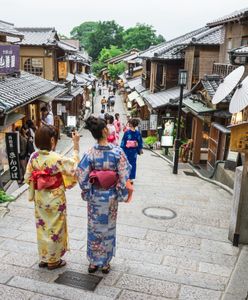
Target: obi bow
{"points": [[44, 180]]}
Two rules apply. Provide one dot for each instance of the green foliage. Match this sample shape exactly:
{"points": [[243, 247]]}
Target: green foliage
{"points": [[97, 67], [141, 36], [97, 36], [83, 31], [150, 140], [116, 69], [107, 33], [109, 53], [5, 197]]}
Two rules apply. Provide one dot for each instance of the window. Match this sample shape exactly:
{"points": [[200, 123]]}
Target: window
{"points": [[34, 66]]}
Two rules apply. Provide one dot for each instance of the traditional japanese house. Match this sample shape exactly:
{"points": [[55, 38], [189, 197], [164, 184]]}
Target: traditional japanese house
{"points": [[236, 35], [195, 51], [206, 124], [19, 91]]}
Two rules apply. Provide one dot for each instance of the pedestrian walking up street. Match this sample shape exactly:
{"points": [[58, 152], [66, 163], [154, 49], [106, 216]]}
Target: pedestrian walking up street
{"points": [[48, 175], [132, 145], [102, 173]]}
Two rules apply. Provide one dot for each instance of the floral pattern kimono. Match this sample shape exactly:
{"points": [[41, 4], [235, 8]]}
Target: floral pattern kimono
{"points": [[103, 204], [50, 204]]}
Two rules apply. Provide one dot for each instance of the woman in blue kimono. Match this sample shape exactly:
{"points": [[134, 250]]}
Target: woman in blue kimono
{"points": [[102, 201], [132, 145]]}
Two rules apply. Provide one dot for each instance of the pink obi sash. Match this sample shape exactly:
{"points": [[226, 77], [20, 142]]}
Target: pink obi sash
{"points": [[131, 144], [44, 180], [104, 179]]}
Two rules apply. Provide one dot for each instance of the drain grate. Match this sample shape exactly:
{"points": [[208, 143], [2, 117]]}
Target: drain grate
{"points": [[78, 280], [161, 213]]}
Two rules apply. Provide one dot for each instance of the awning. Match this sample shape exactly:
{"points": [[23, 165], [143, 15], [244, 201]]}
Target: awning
{"points": [[58, 90], [134, 95], [11, 119], [140, 101], [197, 106]]}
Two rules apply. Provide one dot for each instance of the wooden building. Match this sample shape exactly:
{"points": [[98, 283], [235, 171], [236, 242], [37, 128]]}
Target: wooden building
{"points": [[235, 36]]}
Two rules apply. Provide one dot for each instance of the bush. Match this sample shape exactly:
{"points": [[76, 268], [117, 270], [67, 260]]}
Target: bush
{"points": [[150, 140]]}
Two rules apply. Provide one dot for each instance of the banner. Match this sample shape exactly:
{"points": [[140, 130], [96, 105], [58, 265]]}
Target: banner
{"points": [[12, 147], [9, 59]]}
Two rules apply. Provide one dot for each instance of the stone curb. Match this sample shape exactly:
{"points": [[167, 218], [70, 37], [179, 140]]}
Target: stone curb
{"points": [[221, 185]]}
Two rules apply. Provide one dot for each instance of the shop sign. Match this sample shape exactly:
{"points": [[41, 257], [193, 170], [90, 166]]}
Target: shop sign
{"points": [[71, 121], [153, 122], [12, 147], [9, 59], [168, 130], [59, 109], [62, 69], [144, 125]]}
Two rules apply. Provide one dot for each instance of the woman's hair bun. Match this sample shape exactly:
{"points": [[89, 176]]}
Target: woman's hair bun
{"points": [[95, 126], [91, 123]]}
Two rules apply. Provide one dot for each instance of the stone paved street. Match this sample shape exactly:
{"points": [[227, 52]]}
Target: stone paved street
{"points": [[188, 257]]}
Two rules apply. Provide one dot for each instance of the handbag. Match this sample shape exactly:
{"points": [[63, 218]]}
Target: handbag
{"points": [[105, 179], [131, 144]]}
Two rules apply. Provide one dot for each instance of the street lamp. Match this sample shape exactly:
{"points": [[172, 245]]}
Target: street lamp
{"points": [[182, 81]]}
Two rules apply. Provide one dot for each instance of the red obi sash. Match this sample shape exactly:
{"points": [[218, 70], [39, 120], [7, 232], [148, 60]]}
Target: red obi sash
{"points": [[44, 180], [104, 179]]}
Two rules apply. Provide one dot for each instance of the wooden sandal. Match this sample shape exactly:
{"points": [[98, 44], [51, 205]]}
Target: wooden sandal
{"points": [[92, 268], [43, 264], [106, 269], [61, 264]]}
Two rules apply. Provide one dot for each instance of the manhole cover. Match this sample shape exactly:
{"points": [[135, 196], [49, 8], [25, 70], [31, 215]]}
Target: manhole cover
{"points": [[78, 280], [159, 213]]}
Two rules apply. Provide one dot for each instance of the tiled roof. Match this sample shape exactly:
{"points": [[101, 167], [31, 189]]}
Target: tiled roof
{"points": [[236, 15], [121, 57], [163, 98], [172, 49], [72, 42], [9, 30], [66, 47], [38, 36], [16, 91]]}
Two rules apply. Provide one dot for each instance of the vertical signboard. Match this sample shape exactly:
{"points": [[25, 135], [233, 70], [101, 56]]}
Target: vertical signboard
{"points": [[62, 69], [9, 59], [12, 147], [153, 122]]}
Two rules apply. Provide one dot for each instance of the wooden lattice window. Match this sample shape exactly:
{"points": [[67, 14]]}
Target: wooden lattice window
{"points": [[34, 66]]}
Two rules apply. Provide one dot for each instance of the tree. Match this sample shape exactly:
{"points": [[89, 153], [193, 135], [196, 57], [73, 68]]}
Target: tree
{"points": [[141, 36], [107, 33], [115, 70], [106, 54], [97, 67], [83, 31]]}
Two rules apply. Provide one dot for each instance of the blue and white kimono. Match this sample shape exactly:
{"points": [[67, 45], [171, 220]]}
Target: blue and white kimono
{"points": [[132, 153], [103, 204]]}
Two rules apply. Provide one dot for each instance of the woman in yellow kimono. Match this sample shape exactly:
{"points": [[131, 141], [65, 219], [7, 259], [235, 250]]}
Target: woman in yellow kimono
{"points": [[48, 175]]}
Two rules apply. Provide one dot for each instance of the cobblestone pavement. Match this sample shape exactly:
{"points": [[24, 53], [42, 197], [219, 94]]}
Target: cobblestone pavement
{"points": [[188, 257]]}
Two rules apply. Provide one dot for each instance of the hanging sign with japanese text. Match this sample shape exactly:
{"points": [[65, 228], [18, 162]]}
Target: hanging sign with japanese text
{"points": [[9, 59], [62, 69], [12, 145], [153, 122]]}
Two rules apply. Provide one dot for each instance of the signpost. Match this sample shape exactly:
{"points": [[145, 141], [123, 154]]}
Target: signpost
{"points": [[12, 148]]}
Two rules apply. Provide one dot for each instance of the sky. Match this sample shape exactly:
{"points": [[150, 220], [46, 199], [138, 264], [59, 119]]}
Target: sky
{"points": [[169, 18]]}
